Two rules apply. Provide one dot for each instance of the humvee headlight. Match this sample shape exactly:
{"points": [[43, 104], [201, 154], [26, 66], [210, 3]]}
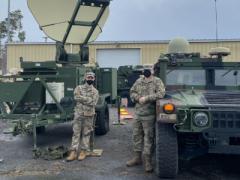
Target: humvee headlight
{"points": [[168, 108], [200, 119]]}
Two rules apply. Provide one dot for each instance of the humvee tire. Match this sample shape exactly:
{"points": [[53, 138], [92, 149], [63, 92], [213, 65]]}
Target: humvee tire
{"points": [[102, 121], [166, 151]]}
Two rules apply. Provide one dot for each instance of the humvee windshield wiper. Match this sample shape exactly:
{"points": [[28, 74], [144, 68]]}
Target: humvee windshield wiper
{"points": [[227, 72], [231, 70], [235, 72]]}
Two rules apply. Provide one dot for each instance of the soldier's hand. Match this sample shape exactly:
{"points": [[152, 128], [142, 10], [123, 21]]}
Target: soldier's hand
{"points": [[142, 100]]}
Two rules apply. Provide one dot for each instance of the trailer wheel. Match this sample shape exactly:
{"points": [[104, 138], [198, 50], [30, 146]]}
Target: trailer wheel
{"points": [[166, 151], [102, 121]]}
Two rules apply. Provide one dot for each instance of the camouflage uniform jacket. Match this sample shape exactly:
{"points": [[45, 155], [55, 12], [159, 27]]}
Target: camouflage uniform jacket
{"points": [[152, 89], [86, 97]]}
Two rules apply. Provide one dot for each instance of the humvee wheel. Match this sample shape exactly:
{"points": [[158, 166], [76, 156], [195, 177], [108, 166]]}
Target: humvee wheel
{"points": [[102, 121], [166, 151]]}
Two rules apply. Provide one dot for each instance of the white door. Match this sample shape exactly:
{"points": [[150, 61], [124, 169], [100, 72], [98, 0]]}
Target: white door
{"points": [[118, 57]]}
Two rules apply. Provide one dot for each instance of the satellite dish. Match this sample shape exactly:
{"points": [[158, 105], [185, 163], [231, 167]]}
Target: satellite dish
{"points": [[70, 21]]}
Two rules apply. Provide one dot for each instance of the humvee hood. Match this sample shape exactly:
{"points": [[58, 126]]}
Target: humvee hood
{"points": [[204, 97]]}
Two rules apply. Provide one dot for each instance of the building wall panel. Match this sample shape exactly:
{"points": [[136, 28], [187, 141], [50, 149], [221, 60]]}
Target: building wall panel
{"points": [[150, 51]]}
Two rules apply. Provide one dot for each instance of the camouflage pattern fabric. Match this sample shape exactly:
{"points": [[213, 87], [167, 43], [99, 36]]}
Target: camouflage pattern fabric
{"points": [[82, 128], [50, 153], [86, 97], [143, 134], [144, 123], [152, 89]]}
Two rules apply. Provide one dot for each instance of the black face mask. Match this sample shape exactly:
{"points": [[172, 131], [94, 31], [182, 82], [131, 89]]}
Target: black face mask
{"points": [[90, 82], [147, 73]]}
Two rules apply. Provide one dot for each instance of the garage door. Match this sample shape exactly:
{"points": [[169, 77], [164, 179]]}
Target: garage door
{"points": [[118, 57]]}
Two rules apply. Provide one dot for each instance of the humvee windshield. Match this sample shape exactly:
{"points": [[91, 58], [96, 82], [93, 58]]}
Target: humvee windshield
{"points": [[183, 78], [227, 77], [186, 77]]}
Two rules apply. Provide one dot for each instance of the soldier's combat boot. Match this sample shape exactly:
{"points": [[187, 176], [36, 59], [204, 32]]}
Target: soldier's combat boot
{"points": [[82, 155], [136, 160], [148, 163], [72, 156]]}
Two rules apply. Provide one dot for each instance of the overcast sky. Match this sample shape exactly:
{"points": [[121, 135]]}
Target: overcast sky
{"points": [[153, 20]]}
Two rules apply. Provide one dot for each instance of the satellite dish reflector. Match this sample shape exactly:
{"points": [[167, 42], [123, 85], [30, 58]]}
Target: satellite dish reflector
{"points": [[70, 21]]}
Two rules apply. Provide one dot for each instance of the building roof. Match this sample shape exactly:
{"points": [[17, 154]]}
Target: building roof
{"points": [[132, 42], [165, 41]]}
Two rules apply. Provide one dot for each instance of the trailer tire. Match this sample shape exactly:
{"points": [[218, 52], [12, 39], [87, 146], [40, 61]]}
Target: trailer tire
{"points": [[166, 151], [102, 121]]}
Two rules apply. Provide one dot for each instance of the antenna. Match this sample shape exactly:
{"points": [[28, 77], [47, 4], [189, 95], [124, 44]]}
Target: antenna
{"points": [[45, 39], [216, 15]]}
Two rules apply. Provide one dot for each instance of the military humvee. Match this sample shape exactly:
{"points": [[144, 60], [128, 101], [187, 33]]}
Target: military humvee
{"points": [[201, 110]]}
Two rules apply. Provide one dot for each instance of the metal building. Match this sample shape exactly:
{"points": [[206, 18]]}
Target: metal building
{"points": [[114, 54]]}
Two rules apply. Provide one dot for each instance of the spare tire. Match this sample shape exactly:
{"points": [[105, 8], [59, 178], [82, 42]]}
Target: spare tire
{"points": [[166, 151]]}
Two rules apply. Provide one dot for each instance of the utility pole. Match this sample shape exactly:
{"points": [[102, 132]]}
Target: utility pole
{"points": [[216, 16], [4, 60], [8, 23], [45, 39]]}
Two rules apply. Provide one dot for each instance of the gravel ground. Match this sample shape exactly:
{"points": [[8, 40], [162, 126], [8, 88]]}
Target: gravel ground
{"points": [[19, 164]]}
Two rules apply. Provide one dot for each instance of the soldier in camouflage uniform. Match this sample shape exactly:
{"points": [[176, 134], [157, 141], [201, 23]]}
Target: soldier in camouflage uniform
{"points": [[145, 91], [86, 97]]}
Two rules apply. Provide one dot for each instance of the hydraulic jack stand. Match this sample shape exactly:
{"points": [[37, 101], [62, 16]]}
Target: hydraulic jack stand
{"points": [[119, 122], [94, 152]]}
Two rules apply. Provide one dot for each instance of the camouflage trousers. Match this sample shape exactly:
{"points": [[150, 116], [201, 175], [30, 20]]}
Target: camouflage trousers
{"points": [[82, 128], [143, 136]]}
